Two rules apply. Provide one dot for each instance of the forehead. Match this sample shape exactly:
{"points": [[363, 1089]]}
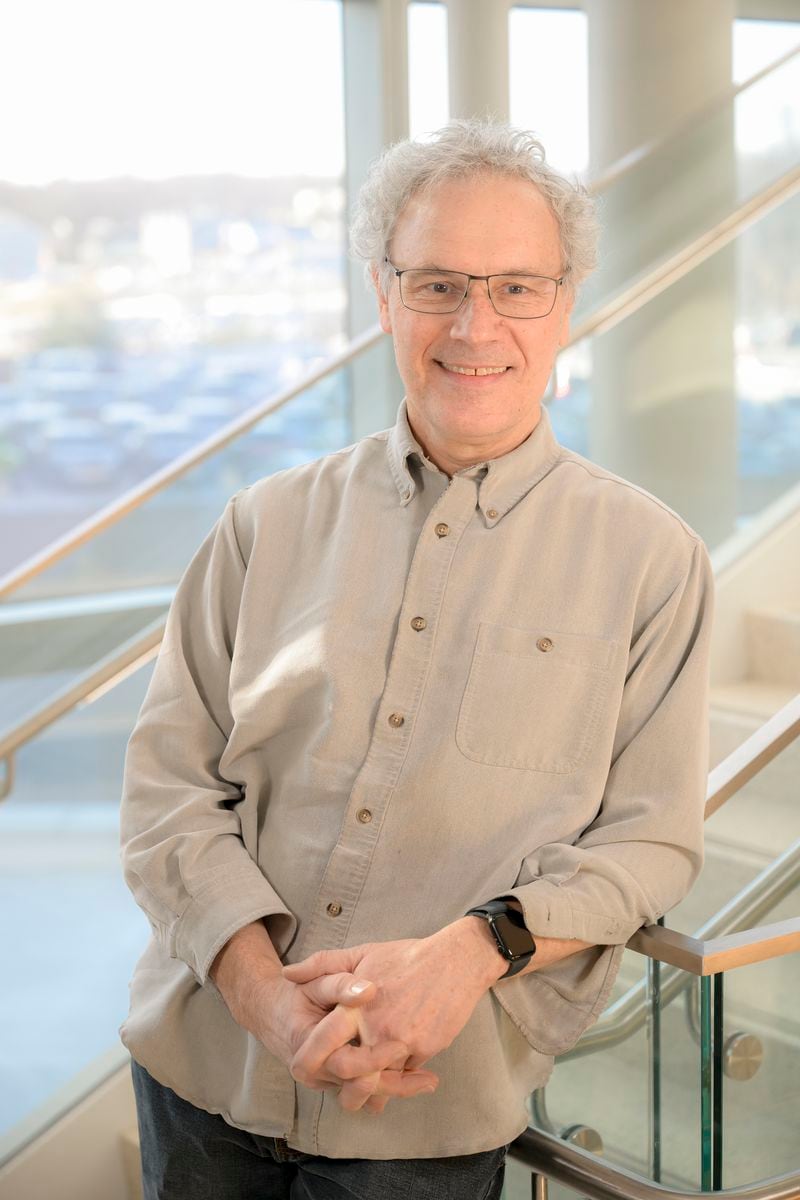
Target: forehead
{"points": [[483, 224]]}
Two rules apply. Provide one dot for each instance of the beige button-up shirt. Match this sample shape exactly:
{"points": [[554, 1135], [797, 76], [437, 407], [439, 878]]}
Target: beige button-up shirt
{"points": [[384, 697]]}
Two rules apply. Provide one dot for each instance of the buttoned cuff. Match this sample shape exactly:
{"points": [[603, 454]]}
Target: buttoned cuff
{"points": [[226, 903]]}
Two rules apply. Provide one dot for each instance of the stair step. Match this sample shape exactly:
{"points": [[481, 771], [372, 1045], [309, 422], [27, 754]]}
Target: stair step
{"points": [[751, 698], [773, 645]]}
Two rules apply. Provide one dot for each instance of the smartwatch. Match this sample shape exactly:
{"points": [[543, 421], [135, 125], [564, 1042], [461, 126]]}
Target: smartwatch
{"points": [[514, 940]]}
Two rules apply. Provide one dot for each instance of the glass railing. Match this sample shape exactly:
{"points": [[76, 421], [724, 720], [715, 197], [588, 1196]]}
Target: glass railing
{"points": [[691, 182], [706, 1095], [694, 1102], [696, 396], [71, 932], [59, 625]]}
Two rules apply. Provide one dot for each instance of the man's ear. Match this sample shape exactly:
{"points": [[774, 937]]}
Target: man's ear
{"points": [[383, 302]]}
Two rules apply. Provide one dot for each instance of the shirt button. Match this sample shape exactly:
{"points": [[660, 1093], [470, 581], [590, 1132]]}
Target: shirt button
{"points": [[544, 644], [441, 530], [419, 624], [364, 816], [334, 909], [491, 513], [396, 719]]}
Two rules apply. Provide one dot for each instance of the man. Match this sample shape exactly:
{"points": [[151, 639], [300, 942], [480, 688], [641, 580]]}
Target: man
{"points": [[452, 667]]}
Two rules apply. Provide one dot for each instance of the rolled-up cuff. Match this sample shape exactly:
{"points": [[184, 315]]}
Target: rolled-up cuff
{"points": [[227, 903], [548, 913]]}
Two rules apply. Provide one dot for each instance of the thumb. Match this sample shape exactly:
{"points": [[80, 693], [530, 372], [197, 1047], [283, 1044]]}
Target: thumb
{"points": [[343, 988], [323, 962]]}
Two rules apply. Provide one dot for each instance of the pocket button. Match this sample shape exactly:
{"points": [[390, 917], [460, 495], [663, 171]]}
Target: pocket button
{"points": [[544, 643]]}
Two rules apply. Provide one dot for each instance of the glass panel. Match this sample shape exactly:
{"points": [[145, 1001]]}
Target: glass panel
{"points": [[168, 257], [73, 932], [651, 1095], [761, 1092], [726, 157], [577, 1096], [703, 1072], [706, 375], [114, 586]]}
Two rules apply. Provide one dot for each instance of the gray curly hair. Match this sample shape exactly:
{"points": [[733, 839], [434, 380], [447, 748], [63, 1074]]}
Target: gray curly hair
{"points": [[460, 149]]}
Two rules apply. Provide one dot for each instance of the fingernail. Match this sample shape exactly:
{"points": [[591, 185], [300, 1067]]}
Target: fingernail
{"points": [[357, 988], [427, 1091]]}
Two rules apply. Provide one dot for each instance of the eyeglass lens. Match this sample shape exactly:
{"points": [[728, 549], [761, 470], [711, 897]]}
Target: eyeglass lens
{"points": [[443, 291]]}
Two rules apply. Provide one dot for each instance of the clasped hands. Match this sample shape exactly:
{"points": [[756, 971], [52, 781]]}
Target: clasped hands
{"points": [[422, 992]]}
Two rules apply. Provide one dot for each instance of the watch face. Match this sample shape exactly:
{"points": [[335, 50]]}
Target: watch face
{"points": [[518, 939]]}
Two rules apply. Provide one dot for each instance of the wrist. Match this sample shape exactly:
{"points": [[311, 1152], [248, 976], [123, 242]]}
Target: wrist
{"points": [[246, 969], [480, 949]]}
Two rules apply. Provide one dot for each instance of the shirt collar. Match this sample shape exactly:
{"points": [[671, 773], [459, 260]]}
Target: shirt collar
{"points": [[502, 482]]}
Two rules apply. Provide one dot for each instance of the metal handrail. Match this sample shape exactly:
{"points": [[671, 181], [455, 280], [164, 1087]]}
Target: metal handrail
{"points": [[551, 1158], [626, 302], [716, 955]]}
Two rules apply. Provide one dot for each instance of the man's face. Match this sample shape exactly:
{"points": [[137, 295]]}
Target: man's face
{"points": [[487, 225]]}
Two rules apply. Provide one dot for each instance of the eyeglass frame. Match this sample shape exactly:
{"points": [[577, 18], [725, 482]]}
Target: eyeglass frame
{"points": [[495, 275]]}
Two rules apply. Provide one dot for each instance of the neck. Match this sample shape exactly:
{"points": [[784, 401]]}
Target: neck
{"points": [[453, 456]]}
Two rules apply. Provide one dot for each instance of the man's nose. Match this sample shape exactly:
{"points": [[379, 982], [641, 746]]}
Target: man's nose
{"points": [[475, 312]]}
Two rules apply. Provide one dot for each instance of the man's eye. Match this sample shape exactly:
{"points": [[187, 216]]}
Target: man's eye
{"points": [[516, 289], [440, 287]]}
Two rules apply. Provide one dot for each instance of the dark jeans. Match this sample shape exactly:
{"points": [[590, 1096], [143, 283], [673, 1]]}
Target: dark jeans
{"points": [[189, 1154]]}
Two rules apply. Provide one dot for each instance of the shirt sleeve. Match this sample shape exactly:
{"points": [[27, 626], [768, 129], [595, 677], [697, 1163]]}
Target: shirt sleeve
{"points": [[643, 851], [183, 854]]}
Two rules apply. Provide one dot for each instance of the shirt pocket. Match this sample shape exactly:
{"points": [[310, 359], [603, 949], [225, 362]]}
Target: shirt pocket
{"points": [[534, 697]]}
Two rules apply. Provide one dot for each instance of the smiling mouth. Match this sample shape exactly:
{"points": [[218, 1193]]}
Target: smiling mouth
{"points": [[458, 370]]}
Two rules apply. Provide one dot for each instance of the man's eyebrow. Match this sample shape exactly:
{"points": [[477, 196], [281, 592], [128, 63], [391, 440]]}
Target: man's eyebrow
{"points": [[429, 266]]}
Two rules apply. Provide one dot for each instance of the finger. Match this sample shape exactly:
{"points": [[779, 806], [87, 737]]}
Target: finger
{"points": [[344, 988], [323, 962], [355, 1092], [405, 1084], [376, 1104], [349, 1062], [333, 1033]]}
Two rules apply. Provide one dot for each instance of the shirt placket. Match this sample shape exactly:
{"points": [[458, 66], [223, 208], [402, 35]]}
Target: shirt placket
{"points": [[412, 652]]}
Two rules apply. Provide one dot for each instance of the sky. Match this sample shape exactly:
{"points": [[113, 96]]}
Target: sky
{"points": [[159, 88], [99, 88]]}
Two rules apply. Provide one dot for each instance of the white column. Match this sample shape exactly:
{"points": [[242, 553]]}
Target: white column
{"points": [[664, 409], [477, 48], [375, 48]]}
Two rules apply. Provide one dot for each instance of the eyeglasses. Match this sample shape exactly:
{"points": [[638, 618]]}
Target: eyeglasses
{"points": [[432, 291]]}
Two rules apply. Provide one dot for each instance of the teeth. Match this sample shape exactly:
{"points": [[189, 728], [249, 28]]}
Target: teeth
{"points": [[474, 370]]}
